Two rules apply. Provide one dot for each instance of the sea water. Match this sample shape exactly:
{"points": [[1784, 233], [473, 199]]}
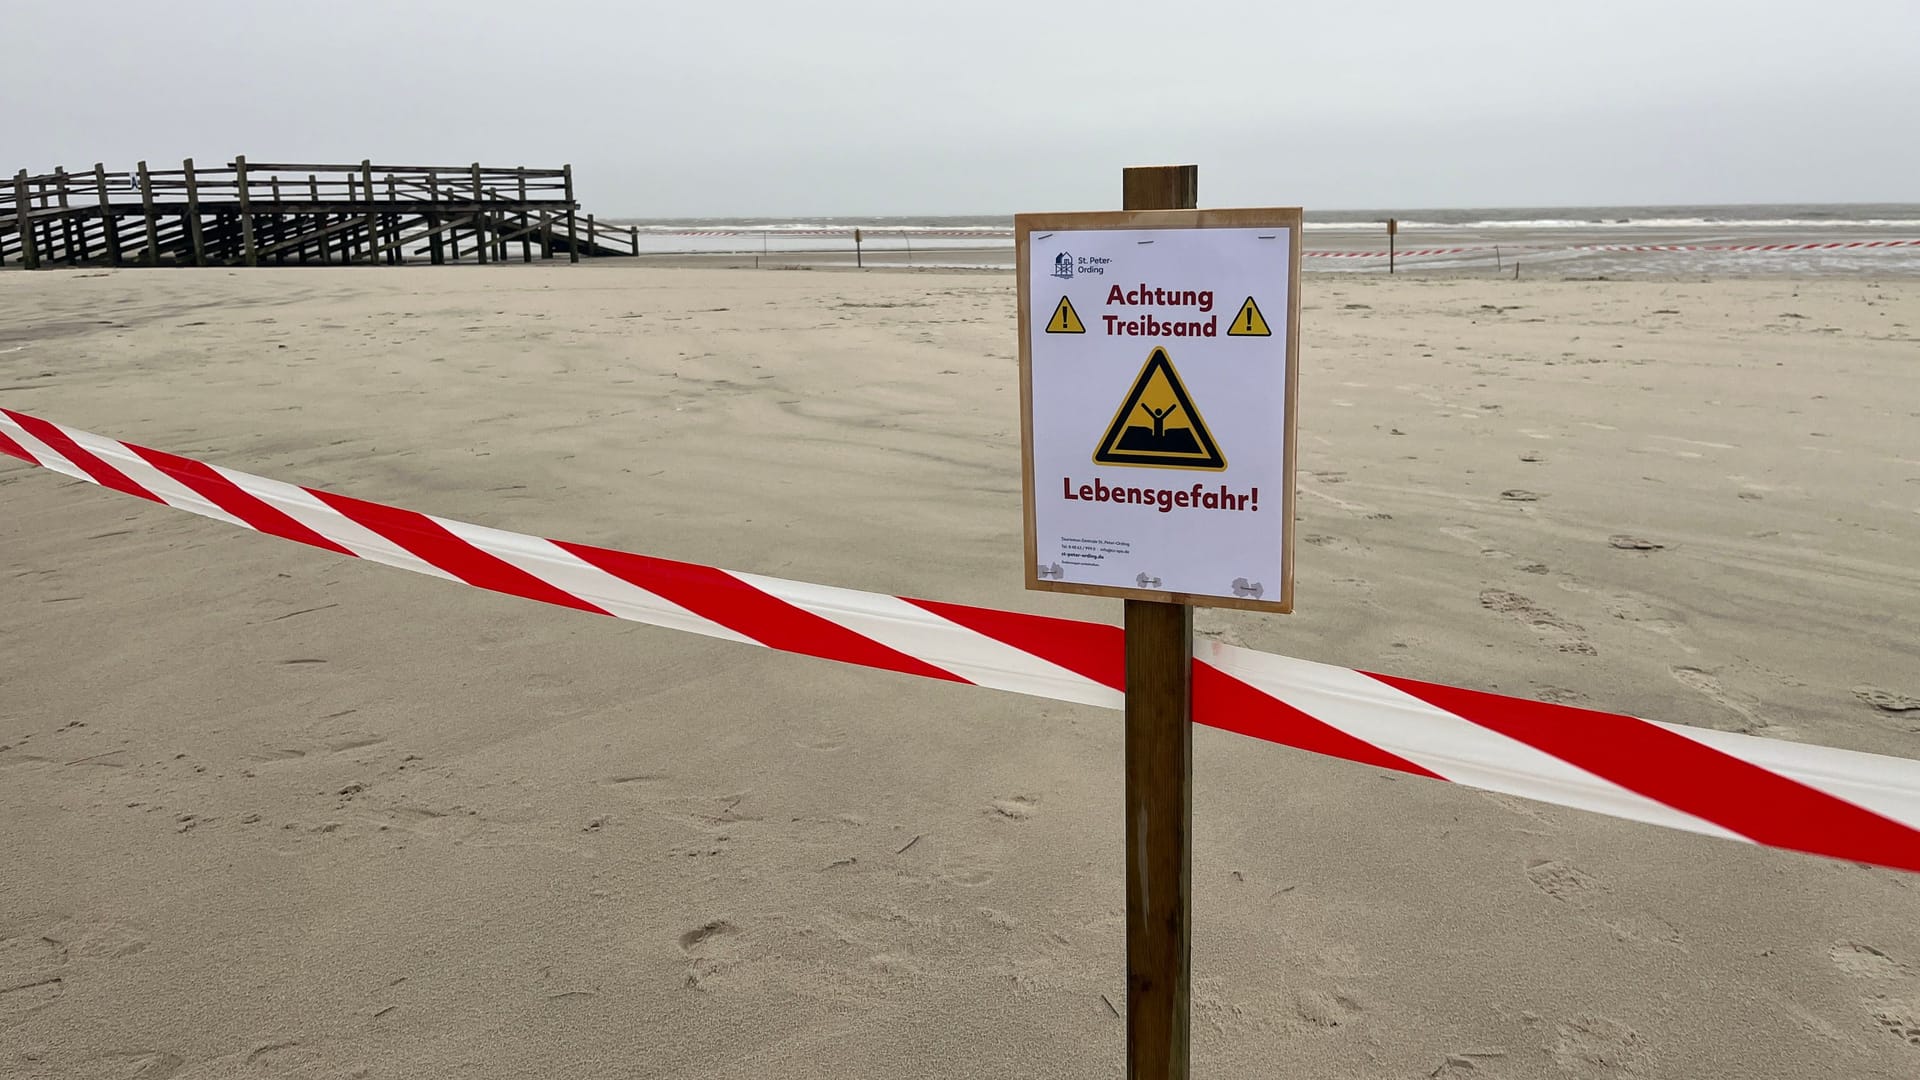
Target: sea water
{"points": [[1564, 241]]}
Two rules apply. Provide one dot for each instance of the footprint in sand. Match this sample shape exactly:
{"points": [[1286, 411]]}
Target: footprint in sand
{"points": [[1866, 962], [1900, 710], [32, 975], [1566, 637], [1901, 1019], [1335, 543], [1597, 1045], [1893, 998], [1015, 808], [1522, 809], [97, 940], [1562, 881], [1326, 1008], [712, 950], [1751, 722]]}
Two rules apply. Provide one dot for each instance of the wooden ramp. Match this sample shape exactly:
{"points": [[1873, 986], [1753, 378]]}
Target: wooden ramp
{"points": [[248, 214]]}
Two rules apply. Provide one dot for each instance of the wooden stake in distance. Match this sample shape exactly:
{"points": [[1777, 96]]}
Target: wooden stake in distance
{"points": [[1393, 229], [22, 209], [1159, 796], [246, 210], [147, 215], [108, 223], [193, 215]]}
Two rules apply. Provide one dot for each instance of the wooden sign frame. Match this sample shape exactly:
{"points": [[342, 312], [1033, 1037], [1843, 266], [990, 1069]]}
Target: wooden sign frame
{"points": [[1025, 225]]}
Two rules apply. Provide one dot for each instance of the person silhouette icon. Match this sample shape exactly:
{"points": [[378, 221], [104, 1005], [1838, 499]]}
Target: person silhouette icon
{"points": [[1159, 419]]}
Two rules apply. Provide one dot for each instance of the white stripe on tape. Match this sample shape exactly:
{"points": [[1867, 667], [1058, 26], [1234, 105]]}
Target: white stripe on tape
{"points": [[1435, 739], [943, 643], [570, 573]]}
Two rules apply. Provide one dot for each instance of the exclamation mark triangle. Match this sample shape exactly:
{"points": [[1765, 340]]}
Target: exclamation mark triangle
{"points": [[1248, 322], [1066, 320]]}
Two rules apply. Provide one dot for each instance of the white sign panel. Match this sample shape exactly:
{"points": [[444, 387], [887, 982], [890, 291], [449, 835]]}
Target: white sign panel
{"points": [[1158, 388]]}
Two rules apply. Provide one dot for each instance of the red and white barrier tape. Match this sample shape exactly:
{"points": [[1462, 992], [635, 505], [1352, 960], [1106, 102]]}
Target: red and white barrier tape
{"points": [[1411, 253], [1837, 803], [1818, 245]]}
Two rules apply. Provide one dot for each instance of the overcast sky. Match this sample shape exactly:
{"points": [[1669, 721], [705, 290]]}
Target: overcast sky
{"points": [[856, 108]]}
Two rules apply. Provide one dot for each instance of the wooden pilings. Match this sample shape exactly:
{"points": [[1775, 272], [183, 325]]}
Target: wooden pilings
{"points": [[109, 225], [29, 251], [147, 215], [573, 233]]}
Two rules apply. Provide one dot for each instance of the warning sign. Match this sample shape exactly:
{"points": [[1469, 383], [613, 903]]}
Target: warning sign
{"points": [[1157, 426], [1066, 320], [1160, 469], [1248, 322]]}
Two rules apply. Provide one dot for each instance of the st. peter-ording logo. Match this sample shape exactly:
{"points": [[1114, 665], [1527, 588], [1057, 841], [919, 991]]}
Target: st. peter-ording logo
{"points": [[1063, 265]]}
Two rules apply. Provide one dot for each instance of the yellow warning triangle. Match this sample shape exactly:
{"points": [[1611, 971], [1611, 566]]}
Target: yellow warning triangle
{"points": [[1248, 322], [1157, 426], [1065, 320]]}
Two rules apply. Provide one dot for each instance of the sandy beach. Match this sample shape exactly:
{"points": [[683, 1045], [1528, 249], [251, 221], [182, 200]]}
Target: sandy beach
{"points": [[268, 812]]}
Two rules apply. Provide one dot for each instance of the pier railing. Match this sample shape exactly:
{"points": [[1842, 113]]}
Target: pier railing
{"points": [[247, 213]]}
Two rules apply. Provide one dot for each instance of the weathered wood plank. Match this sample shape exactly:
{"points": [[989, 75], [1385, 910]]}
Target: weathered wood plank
{"points": [[193, 215], [109, 225], [246, 212], [29, 252], [147, 214], [479, 230], [573, 224]]}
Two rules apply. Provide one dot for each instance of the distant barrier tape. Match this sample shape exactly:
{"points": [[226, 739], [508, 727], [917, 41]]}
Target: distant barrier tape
{"points": [[1411, 253], [1825, 245], [1824, 801]]}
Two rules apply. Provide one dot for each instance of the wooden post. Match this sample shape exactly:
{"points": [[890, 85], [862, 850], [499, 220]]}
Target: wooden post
{"points": [[573, 223], [453, 237], [246, 211], [29, 253], [193, 215], [109, 226], [153, 222], [526, 220], [546, 227], [46, 226], [279, 227], [858, 262], [320, 240], [66, 220], [1393, 229], [1159, 795], [372, 219], [284, 223], [479, 232], [593, 235], [390, 236], [633, 238], [434, 239]]}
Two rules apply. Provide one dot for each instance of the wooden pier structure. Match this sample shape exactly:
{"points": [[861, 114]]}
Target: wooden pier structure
{"points": [[248, 214]]}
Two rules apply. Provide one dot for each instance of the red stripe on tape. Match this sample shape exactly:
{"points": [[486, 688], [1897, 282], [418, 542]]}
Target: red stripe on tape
{"points": [[103, 474], [1098, 652], [1689, 776], [738, 606], [431, 541], [1224, 702], [14, 449], [225, 494]]}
